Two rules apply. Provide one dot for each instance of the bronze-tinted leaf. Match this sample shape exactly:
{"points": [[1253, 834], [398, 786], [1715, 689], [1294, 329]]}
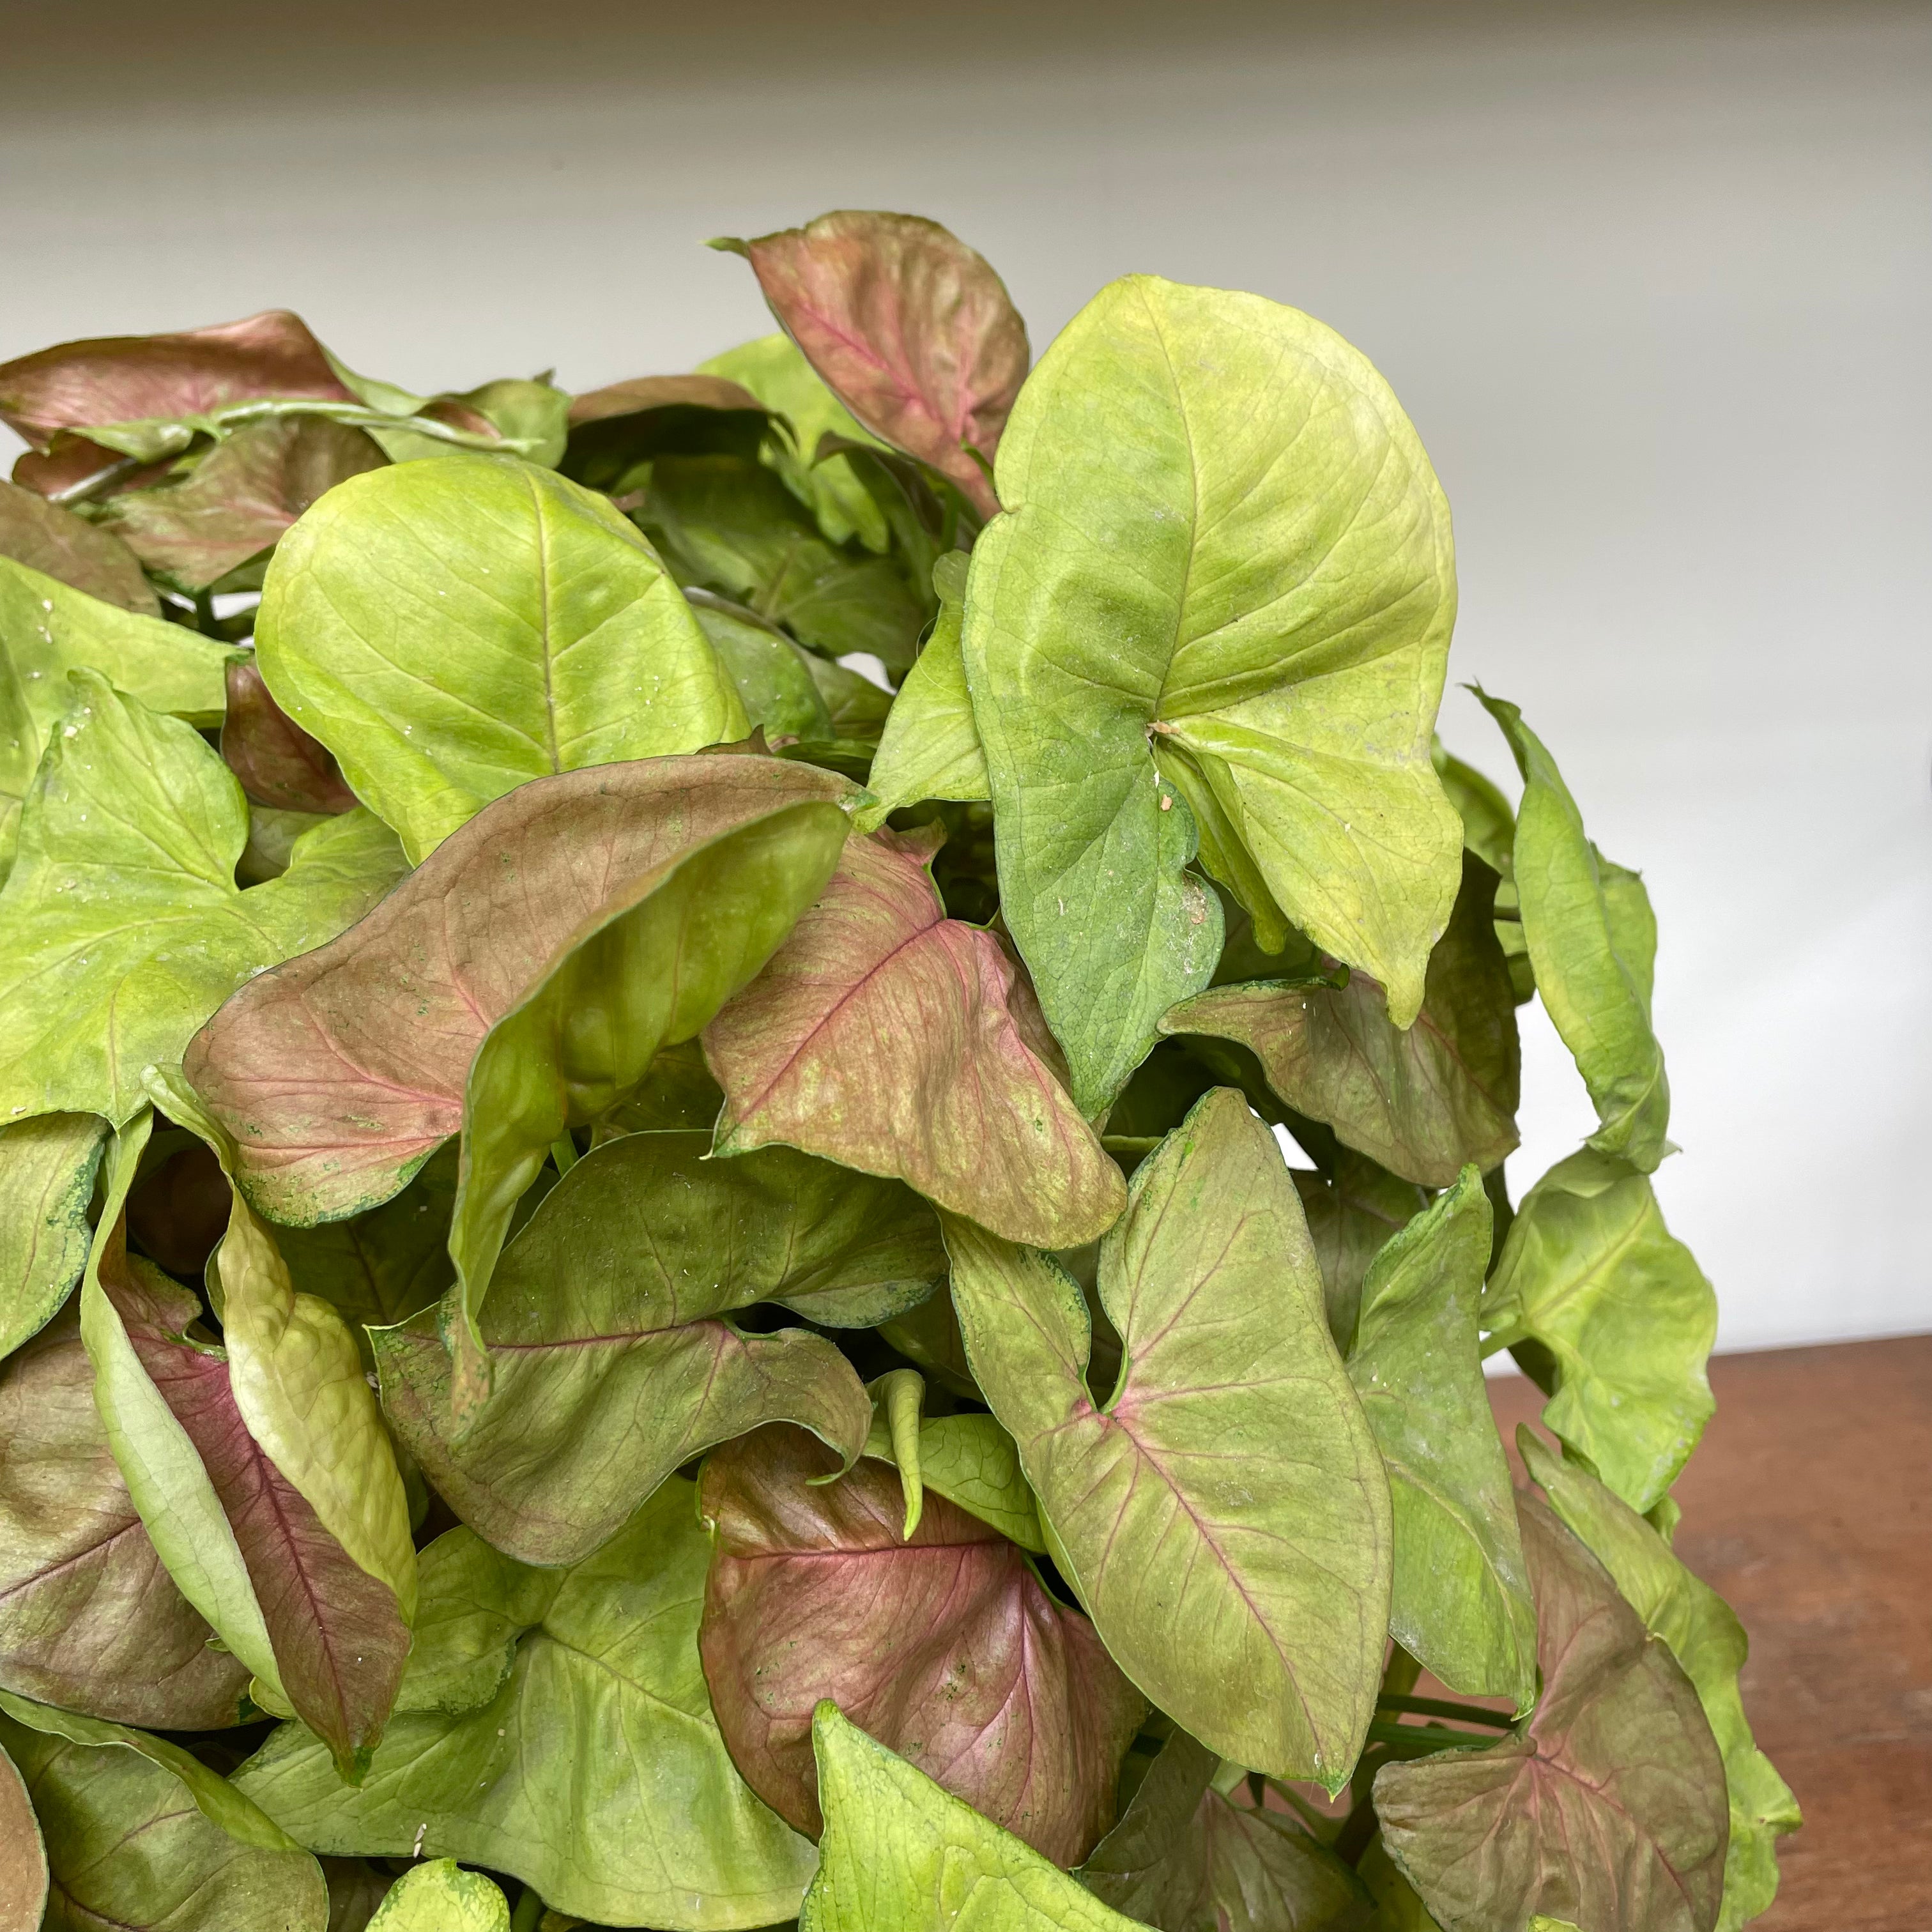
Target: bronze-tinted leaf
{"points": [[23, 1854], [943, 1645], [890, 1038], [240, 498], [1421, 1101], [57, 543], [340, 1074], [132, 378], [910, 329], [1189, 1856], [89, 1619], [279, 764], [1607, 1807], [638, 394], [339, 1637], [1351, 1212]]}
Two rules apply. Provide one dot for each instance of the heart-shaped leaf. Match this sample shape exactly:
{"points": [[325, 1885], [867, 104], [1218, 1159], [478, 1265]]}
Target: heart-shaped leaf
{"points": [[1277, 650], [1421, 1103], [1229, 1486], [611, 1369], [122, 928], [941, 1641], [89, 1619], [136, 379], [772, 369], [441, 1897], [1460, 1601], [240, 498], [1589, 1270], [909, 328], [1591, 940], [341, 1074], [930, 748], [1706, 1638], [47, 1166], [1187, 1857], [891, 1039], [1618, 1759], [48, 629], [23, 1854], [54, 542], [483, 1761], [900, 1851], [650, 969], [450, 629], [127, 1849]]}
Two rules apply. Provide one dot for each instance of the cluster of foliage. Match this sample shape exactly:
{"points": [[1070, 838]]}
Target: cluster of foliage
{"points": [[637, 1259]]}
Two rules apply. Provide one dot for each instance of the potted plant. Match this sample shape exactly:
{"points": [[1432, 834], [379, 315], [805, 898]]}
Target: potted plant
{"points": [[648, 1276]]}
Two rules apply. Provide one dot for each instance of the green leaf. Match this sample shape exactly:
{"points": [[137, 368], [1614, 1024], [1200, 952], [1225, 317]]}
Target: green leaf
{"points": [[651, 969], [930, 748], [1618, 1759], [125, 1851], [216, 1799], [450, 629], [941, 1640], [1592, 940], [1460, 1602], [774, 678], [89, 1619], [441, 1897], [23, 1854], [773, 370], [1422, 1102], [1488, 825], [730, 525], [902, 1855], [1590, 1271], [56, 543], [1705, 1637], [1187, 1858], [1352, 1212], [170, 1486], [891, 1039], [611, 1369], [608, 1650], [910, 328], [239, 499], [339, 1074], [967, 1458], [47, 1166], [1284, 624], [121, 928], [1229, 1488]]}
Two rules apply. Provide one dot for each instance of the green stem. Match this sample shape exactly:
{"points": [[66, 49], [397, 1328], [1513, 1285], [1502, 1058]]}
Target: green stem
{"points": [[529, 1909], [563, 1151], [1440, 1707], [1418, 1740]]}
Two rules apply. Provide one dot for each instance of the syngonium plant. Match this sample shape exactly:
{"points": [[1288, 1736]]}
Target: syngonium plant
{"points": [[647, 1272]]}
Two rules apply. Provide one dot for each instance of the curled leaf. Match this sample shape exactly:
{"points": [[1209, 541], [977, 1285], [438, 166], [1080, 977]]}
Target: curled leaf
{"points": [[1229, 1486], [1618, 1757], [891, 1039], [339, 1074], [940, 1641], [909, 328], [966, 1457]]}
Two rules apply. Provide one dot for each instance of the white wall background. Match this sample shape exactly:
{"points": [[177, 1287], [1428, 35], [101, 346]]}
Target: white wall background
{"points": [[1654, 281]]}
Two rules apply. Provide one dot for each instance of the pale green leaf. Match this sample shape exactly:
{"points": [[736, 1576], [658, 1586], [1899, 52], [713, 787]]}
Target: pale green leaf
{"points": [[441, 1897], [450, 629], [774, 681], [1460, 1602], [1591, 941], [901, 1855], [1705, 1638], [47, 1166], [1589, 1270], [967, 1458], [1229, 1486], [1222, 532], [652, 1827]]}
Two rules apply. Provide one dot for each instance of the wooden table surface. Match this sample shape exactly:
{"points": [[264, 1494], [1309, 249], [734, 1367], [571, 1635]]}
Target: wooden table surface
{"points": [[1808, 1505]]}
